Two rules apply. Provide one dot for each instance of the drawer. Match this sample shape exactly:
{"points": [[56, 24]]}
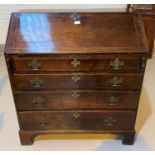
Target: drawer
{"points": [[79, 99], [57, 81], [109, 63], [77, 120]]}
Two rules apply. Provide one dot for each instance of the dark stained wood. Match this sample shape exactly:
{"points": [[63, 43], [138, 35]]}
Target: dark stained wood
{"points": [[84, 81], [67, 120], [128, 138], [131, 63], [57, 33], [93, 94], [28, 137], [59, 100]]}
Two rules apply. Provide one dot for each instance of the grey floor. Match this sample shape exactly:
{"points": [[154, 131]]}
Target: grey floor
{"points": [[145, 124]]}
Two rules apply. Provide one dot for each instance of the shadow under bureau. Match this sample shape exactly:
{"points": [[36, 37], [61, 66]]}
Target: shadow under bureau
{"points": [[76, 72]]}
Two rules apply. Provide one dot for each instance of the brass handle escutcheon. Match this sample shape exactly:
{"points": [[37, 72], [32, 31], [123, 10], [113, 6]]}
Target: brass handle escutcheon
{"points": [[76, 115], [75, 17], [110, 121], [43, 123], [76, 78], [39, 101], [112, 100], [75, 63], [76, 95], [115, 81], [36, 82], [34, 65], [116, 64]]}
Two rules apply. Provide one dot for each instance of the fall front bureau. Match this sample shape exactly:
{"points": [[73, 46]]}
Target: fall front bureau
{"points": [[76, 72]]}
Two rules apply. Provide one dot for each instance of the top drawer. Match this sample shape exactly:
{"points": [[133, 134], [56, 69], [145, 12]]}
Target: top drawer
{"points": [[110, 63]]}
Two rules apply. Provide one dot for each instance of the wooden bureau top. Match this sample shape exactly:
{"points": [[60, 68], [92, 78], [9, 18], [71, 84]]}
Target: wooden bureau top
{"points": [[31, 33]]}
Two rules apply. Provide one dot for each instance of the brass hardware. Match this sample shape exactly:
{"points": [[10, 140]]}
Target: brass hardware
{"points": [[115, 81], [113, 100], [75, 63], [76, 115], [43, 123], [76, 95], [34, 65], [116, 64], [75, 78], [36, 82], [39, 101], [75, 17], [110, 121]]}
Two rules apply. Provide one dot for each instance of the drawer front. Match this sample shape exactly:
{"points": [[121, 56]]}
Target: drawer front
{"points": [[77, 120], [76, 100], [118, 63], [55, 81]]}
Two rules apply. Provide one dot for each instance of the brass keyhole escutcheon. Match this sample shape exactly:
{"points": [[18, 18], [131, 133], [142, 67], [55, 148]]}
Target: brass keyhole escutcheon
{"points": [[36, 82], [76, 115], [112, 100], [75, 63], [76, 95], [43, 123], [39, 101], [110, 121], [34, 65], [76, 78], [116, 64], [115, 81]]}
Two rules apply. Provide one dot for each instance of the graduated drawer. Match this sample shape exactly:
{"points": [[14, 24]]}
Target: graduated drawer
{"points": [[109, 63], [57, 81], [77, 120], [76, 100]]}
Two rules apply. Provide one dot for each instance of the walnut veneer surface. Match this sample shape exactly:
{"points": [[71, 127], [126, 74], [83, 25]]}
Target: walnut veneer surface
{"points": [[76, 72]]}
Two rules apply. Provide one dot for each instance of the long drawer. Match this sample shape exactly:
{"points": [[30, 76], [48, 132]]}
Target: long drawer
{"points": [[110, 63], [52, 100], [55, 81], [77, 120]]}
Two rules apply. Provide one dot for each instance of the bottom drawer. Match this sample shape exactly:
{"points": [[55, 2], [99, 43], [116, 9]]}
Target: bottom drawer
{"points": [[77, 120]]}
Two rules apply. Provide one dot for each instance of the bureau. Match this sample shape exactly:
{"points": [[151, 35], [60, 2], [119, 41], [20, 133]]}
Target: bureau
{"points": [[76, 72]]}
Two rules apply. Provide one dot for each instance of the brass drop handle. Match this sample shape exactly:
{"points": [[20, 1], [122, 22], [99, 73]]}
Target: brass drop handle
{"points": [[39, 101], [75, 63], [116, 64], [76, 95], [112, 100], [34, 65], [110, 121], [76, 78], [43, 123], [76, 115], [36, 82], [115, 81]]}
